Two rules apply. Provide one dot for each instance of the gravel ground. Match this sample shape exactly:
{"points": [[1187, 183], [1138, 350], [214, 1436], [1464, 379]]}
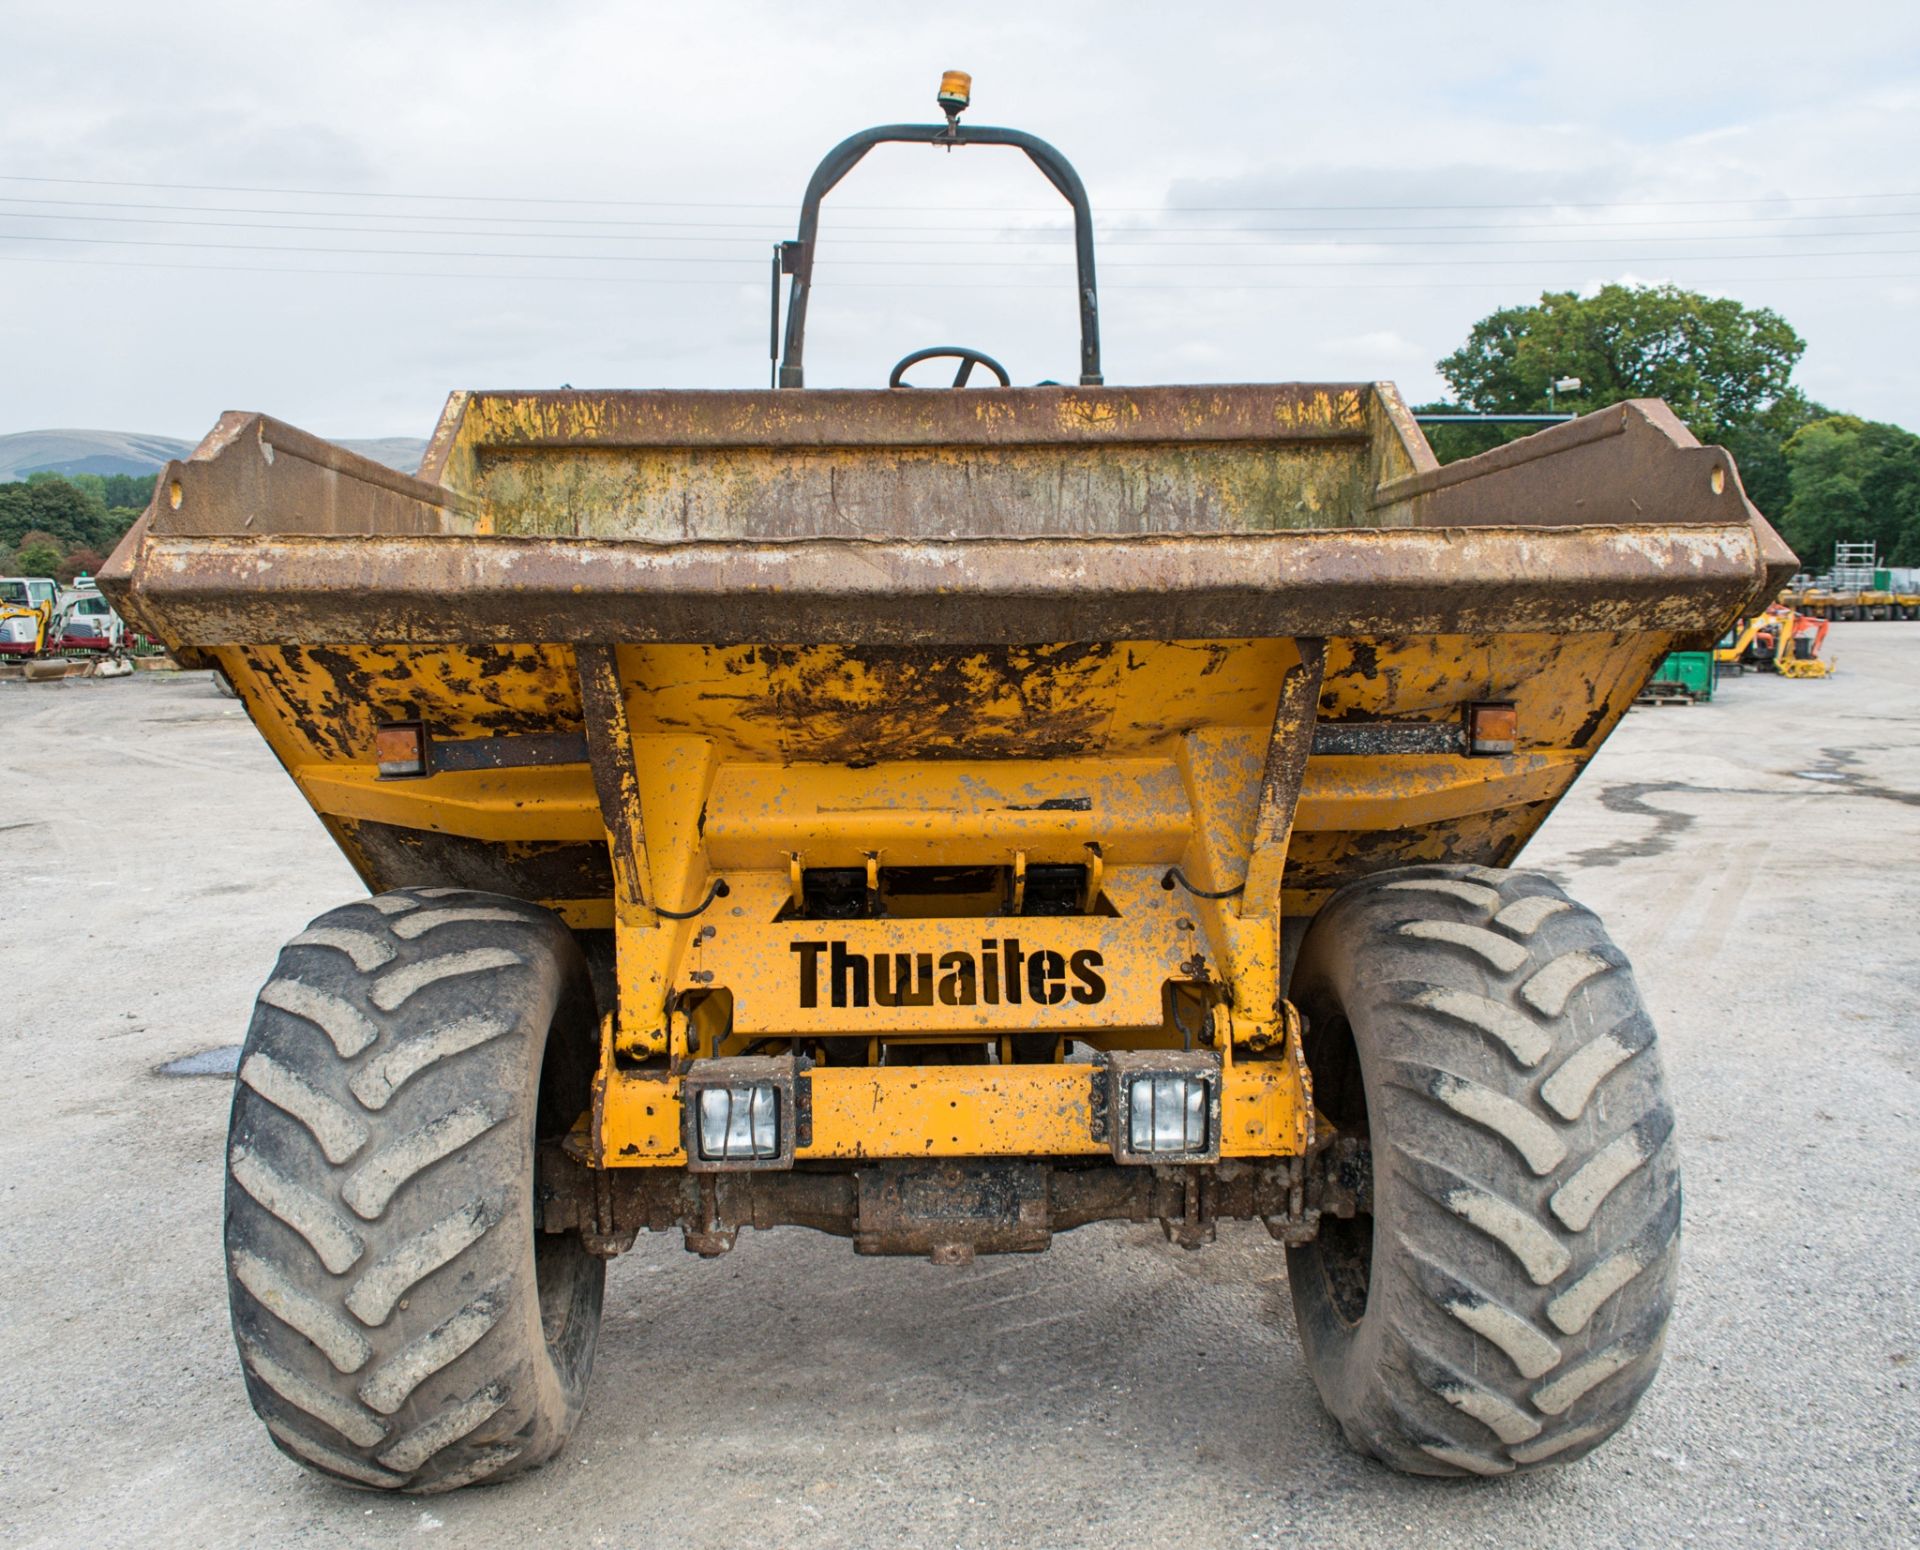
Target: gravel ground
{"points": [[1759, 859]]}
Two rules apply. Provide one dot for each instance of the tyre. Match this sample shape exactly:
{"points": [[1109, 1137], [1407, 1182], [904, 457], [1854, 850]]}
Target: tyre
{"points": [[1503, 1307], [401, 1323]]}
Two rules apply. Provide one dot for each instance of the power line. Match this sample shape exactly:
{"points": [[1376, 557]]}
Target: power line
{"points": [[695, 204], [856, 283], [1058, 226], [837, 262], [1055, 234]]}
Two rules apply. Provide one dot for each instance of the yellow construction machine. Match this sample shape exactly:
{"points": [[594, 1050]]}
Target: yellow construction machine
{"points": [[1778, 639], [26, 610], [944, 819]]}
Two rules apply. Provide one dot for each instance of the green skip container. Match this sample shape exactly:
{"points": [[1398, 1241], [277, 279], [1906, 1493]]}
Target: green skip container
{"points": [[1688, 673]]}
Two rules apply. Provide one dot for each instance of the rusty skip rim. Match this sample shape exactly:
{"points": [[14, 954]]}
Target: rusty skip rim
{"points": [[493, 421], [206, 591]]}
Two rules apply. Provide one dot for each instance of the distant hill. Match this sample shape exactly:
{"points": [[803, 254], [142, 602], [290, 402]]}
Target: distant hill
{"points": [[401, 452], [122, 452], [85, 452]]}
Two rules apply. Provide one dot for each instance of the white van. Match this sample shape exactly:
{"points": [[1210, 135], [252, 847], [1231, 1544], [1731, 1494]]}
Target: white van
{"points": [[85, 621]]}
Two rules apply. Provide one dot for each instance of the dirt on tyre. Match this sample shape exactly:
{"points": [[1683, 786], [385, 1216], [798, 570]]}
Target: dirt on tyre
{"points": [[1504, 1305], [402, 1324]]}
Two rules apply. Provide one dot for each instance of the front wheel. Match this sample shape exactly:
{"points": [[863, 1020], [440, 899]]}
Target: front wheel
{"points": [[1503, 1308], [402, 1324]]}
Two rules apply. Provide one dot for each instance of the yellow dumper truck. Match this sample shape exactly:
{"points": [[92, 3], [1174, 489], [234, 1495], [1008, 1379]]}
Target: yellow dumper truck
{"points": [[944, 819]]}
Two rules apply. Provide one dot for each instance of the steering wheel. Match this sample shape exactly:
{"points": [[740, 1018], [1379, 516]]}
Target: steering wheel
{"points": [[968, 360]]}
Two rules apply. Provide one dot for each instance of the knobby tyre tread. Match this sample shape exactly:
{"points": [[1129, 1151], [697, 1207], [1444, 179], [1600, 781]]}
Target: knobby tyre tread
{"points": [[401, 1323], [1504, 1307]]}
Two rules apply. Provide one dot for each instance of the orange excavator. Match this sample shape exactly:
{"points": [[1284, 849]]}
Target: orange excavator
{"points": [[1779, 640]]}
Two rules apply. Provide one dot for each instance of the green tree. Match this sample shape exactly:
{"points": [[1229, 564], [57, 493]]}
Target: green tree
{"points": [[94, 485], [1852, 481], [77, 563], [73, 515], [39, 555], [1760, 449], [128, 490], [1450, 443], [1720, 365]]}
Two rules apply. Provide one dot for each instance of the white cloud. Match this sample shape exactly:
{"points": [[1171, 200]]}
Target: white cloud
{"points": [[729, 105], [1380, 345]]}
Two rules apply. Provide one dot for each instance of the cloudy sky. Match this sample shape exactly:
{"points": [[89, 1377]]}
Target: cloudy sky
{"points": [[338, 211]]}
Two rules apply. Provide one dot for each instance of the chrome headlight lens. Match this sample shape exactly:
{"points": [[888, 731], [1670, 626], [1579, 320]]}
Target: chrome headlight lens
{"points": [[739, 1123], [745, 1111], [1167, 1115], [1165, 1105]]}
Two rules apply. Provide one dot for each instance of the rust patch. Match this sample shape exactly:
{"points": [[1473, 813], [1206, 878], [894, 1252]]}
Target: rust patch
{"points": [[546, 870], [913, 702], [1322, 860], [1583, 734], [1364, 659], [333, 696]]}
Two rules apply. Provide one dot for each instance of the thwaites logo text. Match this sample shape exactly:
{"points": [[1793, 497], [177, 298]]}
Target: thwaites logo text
{"points": [[1000, 974]]}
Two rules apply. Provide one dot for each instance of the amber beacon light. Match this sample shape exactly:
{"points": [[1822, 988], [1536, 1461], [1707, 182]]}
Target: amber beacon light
{"points": [[956, 90]]}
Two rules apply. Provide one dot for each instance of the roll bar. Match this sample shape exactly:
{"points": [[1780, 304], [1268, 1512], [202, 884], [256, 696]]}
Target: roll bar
{"points": [[796, 257]]}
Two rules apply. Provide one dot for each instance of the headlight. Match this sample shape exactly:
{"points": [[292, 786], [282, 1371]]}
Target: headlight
{"points": [[1167, 1115], [1165, 1103], [739, 1123], [744, 1112]]}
